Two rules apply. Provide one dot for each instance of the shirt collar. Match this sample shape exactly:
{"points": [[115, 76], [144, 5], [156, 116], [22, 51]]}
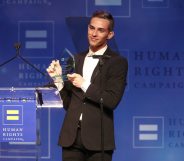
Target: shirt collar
{"points": [[99, 52]]}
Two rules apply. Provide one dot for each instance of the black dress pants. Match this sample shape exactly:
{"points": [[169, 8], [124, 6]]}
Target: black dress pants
{"points": [[77, 152]]}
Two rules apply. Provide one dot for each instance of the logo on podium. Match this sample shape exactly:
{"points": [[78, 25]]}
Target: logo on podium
{"points": [[12, 115]]}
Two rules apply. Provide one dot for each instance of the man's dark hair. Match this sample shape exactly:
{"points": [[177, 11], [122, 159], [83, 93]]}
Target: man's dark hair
{"points": [[105, 15]]}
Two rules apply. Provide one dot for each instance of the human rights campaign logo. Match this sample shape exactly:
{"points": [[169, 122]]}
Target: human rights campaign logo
{"points": [[108, 2], [12, 115], [155, 3], [37, 38], [118, 8], [148, 132]]}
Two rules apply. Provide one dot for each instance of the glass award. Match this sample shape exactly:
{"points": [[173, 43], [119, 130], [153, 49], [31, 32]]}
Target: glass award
{"points": [[67, 63]]}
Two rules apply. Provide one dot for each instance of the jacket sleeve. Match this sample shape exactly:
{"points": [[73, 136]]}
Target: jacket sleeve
{"points": [[66, 94], [113, 85]]}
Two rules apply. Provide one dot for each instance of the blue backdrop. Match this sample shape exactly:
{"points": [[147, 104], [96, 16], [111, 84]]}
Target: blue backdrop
{"points": [[149, 121]]}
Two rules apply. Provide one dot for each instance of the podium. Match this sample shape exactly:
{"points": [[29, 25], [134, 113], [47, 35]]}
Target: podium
{"points": [[21, 110]]}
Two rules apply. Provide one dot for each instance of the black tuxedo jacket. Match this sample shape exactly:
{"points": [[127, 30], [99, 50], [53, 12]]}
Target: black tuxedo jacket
{"points": [[108, 81]]}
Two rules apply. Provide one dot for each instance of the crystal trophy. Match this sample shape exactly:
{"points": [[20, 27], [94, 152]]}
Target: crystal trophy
{"points": [[67, 63]]}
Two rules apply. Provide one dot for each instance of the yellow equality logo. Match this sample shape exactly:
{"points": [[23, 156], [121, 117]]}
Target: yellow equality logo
{"points": [[12, 112]]}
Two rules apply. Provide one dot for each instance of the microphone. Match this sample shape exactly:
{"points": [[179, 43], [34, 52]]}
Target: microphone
{"points": [[17, 45]]}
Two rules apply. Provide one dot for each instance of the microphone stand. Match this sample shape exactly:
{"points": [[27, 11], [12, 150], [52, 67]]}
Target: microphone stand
{"points": [[101, 111], [17, 47], [101, 63]]}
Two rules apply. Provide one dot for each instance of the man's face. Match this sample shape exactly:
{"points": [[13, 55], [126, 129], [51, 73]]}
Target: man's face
{"points": [[98, 33]]}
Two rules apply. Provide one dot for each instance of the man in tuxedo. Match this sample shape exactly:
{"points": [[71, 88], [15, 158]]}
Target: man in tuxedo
{"points": [[91, 93]]}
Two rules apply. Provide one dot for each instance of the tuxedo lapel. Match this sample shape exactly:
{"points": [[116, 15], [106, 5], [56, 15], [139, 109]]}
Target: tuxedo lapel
{"points": [[80, 64], [79, 61], [96, 71]]}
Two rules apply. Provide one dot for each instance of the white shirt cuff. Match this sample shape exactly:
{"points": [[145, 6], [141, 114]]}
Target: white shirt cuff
{"points": [[85, 86], [59, 85]]}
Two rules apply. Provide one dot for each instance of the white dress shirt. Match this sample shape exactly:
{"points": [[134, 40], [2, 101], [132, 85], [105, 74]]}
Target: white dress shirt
{"points": [[89, 66]]}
